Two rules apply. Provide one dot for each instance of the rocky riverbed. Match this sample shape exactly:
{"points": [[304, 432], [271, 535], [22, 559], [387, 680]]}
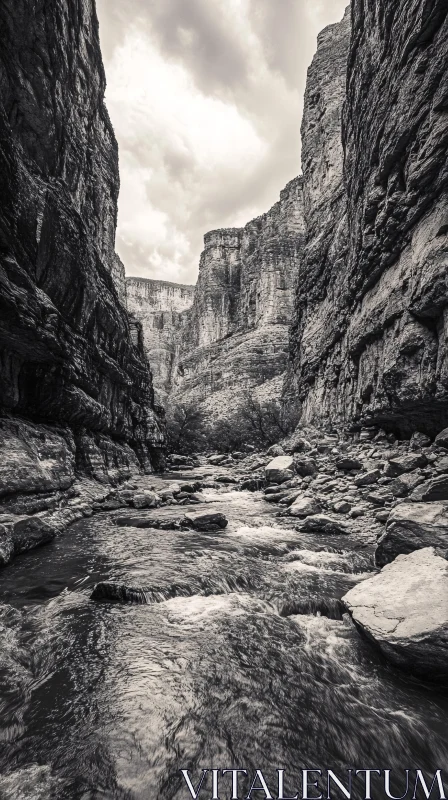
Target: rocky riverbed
{"points": [[199, 619]]}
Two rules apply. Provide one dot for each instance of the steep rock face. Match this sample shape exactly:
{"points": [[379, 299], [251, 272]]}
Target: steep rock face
{"points": [[376, 320], [319, 311], [67, 357], [235, 336], [158, 305]]}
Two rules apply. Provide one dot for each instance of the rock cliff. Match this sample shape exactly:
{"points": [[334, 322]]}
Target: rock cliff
{"points": [[235, 336], [75, 389], [368, 339], [158, 305]]}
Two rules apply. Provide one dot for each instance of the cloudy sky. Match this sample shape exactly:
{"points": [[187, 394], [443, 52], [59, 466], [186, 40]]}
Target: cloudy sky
{"points": [[206, 100]]}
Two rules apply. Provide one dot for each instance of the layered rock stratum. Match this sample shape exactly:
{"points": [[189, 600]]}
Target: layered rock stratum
{"points": [[368, 340], [75, 386], [234, 338], [158, 305]]}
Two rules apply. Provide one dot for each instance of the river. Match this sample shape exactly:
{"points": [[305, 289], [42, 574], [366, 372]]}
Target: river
{"points": [[251, 665]]}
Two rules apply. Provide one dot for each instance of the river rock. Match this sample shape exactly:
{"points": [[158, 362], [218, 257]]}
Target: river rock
{"points": [[368, 478], [305, 466], [321, 523], [179, 460], [148, 499], [413, 526], [252, 484], [380, 497], [275, 497], [207, 521], [441, 439], [348, 463], [280, 469], [118, 593], [342, 507], [218, 459], [289, 498], [419, 440], [298, 444], [397, 466], [276, 450], [404, 611], [441, 464], [433, 489], [405, 484], [305, 507]]}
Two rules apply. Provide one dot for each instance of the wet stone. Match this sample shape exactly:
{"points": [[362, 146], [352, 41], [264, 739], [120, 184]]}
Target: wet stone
{"points": [[203, 521]]}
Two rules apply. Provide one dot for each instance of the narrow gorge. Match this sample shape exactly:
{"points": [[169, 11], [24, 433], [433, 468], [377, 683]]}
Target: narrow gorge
{"points": [[248, 613]]}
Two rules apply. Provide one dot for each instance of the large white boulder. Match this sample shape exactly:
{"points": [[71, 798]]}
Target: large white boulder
{"points": [[280, 469], [404, 610], [413, 526]]}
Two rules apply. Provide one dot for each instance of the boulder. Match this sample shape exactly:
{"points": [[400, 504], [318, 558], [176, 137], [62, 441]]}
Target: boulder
{"points": [[382, 516], [368, 478], [441, 464], [118, 593], [280, 469], [225, 479], [275, 497], [380, 497], [203, 521], [397, 466], [298, 444], [405, 484], [342, 507], [305, 466], [404, 611], [290, 498], [179, 460], [347, 464], [252, 484], [321, 523], [305, 507], [431, 490], [276, 450], [419, 440], [218, 459], [187, 488], [441, 439], [147, 499], [357, 511], [413, 526]]}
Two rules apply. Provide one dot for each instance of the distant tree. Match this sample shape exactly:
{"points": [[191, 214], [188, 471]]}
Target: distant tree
{"points": [[260, 423], [185, 429]]}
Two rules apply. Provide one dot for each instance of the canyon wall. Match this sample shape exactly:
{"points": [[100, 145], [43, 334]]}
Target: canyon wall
{"points": [[235, 337], [158, 305], [369, 333], [75, 385]]}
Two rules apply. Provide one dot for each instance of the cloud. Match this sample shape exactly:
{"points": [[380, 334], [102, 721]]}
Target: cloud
{"points": [[206, 99]]}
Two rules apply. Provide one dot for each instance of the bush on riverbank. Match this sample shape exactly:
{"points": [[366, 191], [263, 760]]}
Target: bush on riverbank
{"points": [[257, 423]]}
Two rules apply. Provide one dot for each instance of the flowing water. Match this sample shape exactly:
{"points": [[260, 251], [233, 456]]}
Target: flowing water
{"points": [[249, 662]]}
